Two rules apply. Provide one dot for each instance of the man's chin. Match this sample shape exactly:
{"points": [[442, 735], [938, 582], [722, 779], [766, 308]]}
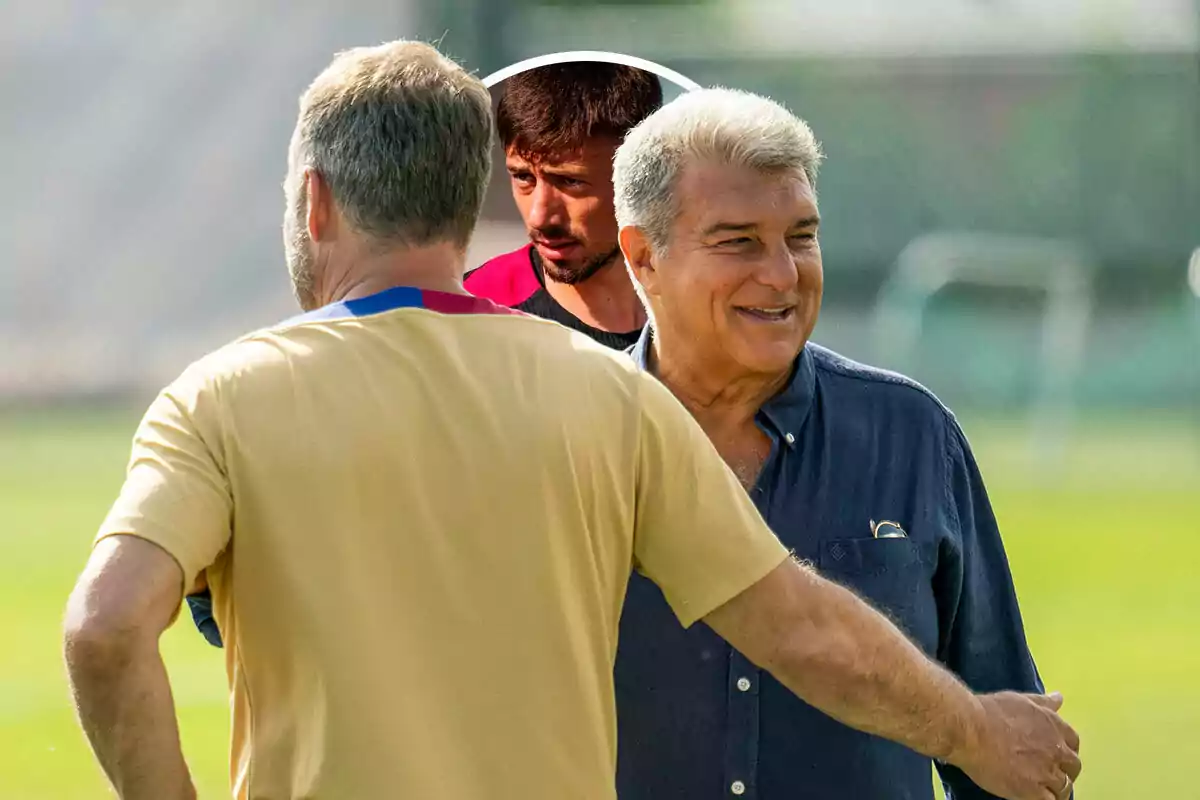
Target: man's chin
{"points": [[575, 270], [569, 272]]}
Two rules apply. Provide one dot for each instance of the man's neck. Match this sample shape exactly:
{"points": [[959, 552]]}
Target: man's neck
{"points": [[436, 268], [606, 300], [724, 401]]}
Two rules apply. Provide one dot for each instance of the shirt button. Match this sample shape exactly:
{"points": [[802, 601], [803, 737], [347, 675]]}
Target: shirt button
{"points": [[738, 788], [790, 438], [743, 684]]}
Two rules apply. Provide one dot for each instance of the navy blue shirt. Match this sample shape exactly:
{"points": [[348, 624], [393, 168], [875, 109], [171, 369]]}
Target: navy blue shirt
{"points": [[854, 451]]}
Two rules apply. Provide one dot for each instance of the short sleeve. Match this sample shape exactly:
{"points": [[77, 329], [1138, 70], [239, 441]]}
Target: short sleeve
{"points": [[176, 493], [698, 536]]}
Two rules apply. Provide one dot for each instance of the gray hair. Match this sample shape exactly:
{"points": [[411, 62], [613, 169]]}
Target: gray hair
{"points": [[402, 135], [726, 126]]}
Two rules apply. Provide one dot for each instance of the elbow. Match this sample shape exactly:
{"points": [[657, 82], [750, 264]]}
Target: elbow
{"points": [[96, 637]]}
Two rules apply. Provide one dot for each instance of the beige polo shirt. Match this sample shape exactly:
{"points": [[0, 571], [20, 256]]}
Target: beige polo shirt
{"points": [[417, 515]]}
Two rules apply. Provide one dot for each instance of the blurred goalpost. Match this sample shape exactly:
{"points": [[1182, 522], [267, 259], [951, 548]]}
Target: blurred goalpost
{"points": [[1193, 301], [1055, 269]]}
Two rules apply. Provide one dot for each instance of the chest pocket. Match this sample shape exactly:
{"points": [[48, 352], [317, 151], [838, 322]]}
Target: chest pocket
{"points": [[886, 572]]}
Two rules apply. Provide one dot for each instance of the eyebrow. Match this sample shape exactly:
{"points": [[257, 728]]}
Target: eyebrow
{"points": [[561, 171], [555, 170], [744, 227]]}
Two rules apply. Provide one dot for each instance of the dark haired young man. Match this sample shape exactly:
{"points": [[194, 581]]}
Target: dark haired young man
{"points": [[560, 126]]}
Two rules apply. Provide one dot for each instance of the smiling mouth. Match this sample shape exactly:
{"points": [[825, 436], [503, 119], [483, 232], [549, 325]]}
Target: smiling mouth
{"points": [[767, 314]]}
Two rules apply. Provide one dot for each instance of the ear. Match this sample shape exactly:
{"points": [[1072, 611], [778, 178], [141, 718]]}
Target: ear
{"points": [[640, 258], [320, 215]]}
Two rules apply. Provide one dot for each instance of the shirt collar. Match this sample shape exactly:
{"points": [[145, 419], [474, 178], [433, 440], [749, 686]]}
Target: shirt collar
{"points": [[786, 411]]}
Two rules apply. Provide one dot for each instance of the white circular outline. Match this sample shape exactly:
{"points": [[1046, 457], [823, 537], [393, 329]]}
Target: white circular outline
{"points": [[685, 83]]}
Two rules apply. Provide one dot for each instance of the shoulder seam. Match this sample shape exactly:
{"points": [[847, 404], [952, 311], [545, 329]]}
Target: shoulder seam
{"points": [[880, 376]]}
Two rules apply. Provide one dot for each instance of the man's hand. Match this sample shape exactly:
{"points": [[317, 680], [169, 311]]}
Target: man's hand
{"points": [[1022, 749]]}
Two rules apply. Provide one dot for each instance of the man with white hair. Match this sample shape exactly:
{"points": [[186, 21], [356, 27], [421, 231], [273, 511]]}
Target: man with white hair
{"points": [[861, 472], [418, 513]]}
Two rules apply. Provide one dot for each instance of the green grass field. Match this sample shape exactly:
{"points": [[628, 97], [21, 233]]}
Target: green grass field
{"points": [[1105, 549]]}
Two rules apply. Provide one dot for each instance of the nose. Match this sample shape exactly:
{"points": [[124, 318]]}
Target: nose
{"points": [[777, 268], [545, 208]]}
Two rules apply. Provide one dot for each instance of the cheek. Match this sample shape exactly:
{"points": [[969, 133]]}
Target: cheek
{"points": [[296, 235], [811, 270], [593, 219], [522, 201], [811, 283], [704, 300], [723, 283]]}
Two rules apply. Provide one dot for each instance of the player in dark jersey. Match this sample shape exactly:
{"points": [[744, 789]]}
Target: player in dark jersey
{"points": [[560, 126]]}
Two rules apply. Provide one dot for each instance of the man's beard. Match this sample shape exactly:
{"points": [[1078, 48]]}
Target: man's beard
{"points": [[303, 284], [297, 248], [576, 275]]}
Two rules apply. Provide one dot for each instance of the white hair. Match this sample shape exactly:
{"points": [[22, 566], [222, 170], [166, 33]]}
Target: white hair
{"points": [[725, 126]]}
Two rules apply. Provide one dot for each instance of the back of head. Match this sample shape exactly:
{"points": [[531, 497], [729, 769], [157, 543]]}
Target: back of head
{"points": [[724, 126], [402, 136], [557, 108]]}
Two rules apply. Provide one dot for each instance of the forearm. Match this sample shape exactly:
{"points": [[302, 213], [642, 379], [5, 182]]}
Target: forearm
{"points": [[125, 707], [843, 657]]}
